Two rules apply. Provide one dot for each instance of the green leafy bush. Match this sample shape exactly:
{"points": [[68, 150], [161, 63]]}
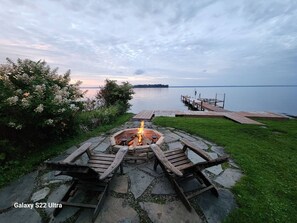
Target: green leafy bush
{"points": [[100, 116], [114, 94], [36, 103]]}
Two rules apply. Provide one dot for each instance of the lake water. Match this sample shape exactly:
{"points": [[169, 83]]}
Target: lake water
{"points": [[273, 99]]}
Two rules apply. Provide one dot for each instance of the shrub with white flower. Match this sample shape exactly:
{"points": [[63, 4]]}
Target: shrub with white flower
{"points": [[36, 102], [12, 100], [39, 109], [49, 122]]}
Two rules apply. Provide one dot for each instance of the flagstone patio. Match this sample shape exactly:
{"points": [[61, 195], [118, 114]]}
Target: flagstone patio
{"points": [[140, 195]]}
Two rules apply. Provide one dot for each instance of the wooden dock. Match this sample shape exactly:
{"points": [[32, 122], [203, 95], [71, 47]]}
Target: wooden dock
{"points": [[239, 117], [234, 116], [210, 107], [200, 114], [201, 104], [268, 115], [144, 115]]}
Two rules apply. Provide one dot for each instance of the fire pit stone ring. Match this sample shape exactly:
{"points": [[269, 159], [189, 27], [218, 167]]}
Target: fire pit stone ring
{"points": [[137, 142]]}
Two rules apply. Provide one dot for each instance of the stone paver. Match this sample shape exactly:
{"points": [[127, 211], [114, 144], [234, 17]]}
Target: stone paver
{"points": [[233, 164], [218, 149], [163, 187], [229, 177], [171, 137], [139, 182], [170, 212], [194, 157], [41, 194], [102, 147], [68, 212], [18, 191], [200, 144], [175, 145], [117, 210], [55, 197], [52, 182], [190, 185], [71, 150], [120, 184], [216, 170], [85, 216], [149, 168], [83, 159], [65, 214], [216, 209], [59, 158], [50, 176], [186, 136], [21, 215], [205, 141], [127, 168], [94, 140]]}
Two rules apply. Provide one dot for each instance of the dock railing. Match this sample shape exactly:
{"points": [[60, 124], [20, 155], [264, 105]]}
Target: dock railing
{"points": [[198, 104]]}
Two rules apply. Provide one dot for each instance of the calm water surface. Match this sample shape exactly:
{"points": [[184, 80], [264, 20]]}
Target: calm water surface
{"points": [[273, 99]]}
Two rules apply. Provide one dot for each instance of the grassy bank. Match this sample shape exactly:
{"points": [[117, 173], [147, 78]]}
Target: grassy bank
{"points": [[267, 156], [16, 168]]}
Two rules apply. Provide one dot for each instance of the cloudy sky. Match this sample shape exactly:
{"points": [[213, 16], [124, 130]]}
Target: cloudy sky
{"points": [[182, 42]]}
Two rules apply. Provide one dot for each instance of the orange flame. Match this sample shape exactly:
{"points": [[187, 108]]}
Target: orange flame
{"points": [[140, 131]]}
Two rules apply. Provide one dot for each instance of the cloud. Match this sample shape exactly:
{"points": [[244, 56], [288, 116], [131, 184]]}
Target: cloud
{"points": [[178, 41], [139, 72]]}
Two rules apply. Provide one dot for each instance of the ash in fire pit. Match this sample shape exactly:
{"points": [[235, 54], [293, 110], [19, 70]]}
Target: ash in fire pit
{"points": [[138, 139]]}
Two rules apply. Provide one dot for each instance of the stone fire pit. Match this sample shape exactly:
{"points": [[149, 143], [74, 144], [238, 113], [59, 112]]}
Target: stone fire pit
{"points": [[138, 148]]}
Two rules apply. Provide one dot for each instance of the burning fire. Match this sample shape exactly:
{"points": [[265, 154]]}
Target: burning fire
{"points": [[140, 132]]}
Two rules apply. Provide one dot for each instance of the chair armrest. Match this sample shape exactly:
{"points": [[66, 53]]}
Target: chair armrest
{"points": [[73, 156], [116, 162], [160, 155], [206, 164], [195, 149]]}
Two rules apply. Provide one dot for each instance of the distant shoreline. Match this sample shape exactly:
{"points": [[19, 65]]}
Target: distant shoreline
{"points": [[218, 86], [205, 86], [151, 86]]}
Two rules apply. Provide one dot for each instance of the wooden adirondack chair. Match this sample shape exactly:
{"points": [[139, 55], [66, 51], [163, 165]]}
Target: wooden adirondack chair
{"points": [[94, 177], [178, 167]]}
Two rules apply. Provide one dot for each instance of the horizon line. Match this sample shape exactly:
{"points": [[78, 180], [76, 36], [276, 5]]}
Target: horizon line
{"points": [[184, 86]]}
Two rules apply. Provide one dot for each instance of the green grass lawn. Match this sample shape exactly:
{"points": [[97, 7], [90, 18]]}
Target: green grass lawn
{"points": [[266, 155], [28, 163]]}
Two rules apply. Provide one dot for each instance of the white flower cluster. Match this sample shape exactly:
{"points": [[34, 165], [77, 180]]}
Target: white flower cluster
{"points": [[12, 100], [73, 107], [25, 103], [49, 122], [11, 124], [61, 95], [24, 77], [39, 89], [58, 99], [61, 110], [14, 125], [39, 109]]}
